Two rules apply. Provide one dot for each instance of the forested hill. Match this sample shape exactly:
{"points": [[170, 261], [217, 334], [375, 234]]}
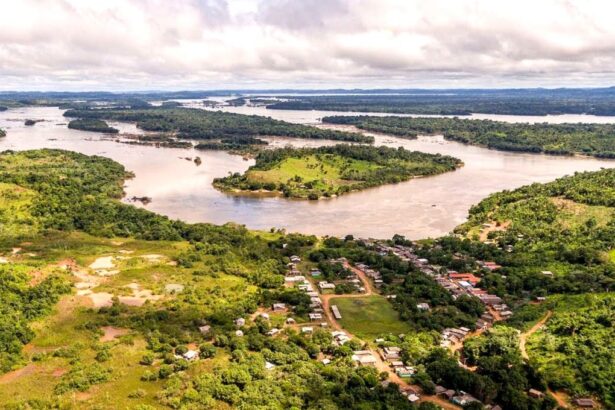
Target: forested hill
{"points": [[201, 124], [558, 139]]}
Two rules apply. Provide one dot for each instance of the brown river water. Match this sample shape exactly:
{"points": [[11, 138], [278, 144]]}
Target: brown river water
{"points": [[420, 208]]}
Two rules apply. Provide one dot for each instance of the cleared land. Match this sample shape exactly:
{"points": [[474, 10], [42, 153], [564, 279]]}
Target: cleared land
{"points": [[369, 317]]}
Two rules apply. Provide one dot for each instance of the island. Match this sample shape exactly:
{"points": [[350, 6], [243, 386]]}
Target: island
{"points": [[2, 133], [92, 125], [596, 140], [192, 123], [312, 173]]}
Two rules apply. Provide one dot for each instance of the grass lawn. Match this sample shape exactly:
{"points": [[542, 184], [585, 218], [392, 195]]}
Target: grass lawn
{"points": [[369, 317]]}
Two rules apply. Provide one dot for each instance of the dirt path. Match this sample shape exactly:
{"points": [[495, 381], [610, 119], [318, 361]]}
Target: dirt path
{"points": [[523, 338], [380, 365], [484, 233]]}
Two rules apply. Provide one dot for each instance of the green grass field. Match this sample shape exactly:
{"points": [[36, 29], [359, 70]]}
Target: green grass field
{"points": [[325, 170], [369, 317]]}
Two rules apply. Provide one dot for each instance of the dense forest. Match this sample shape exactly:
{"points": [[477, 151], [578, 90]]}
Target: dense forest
{"points": [[210, 125], [92, 125], [557, 139], [334, 170], [462, 102]]}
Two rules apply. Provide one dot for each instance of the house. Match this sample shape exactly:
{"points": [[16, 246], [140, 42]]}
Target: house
{"points": [[413, 398], [324, 324], [191, 355], [239, 333], [535, 393], [405, 371], [336, 312], [296, 278], [326, 285], [315, 316], [340, 337], [240, 322], [422, 306], [205, 329], [307, 329], [547, 273], [290, 321], [364, 358], [325, 361], [264, 316], [440, 389], [585, 403], [463, 399], [448, 393], [397, 363], [391, 353], [278, 307], [295, 259], [315, 272], [269, 365], [273, 332]]}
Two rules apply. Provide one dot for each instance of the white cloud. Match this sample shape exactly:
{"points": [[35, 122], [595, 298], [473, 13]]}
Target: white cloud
{"points": [[154, 44]]}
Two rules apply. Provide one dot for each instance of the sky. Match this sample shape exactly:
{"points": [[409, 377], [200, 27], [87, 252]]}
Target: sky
{"points": [[125, 45]]}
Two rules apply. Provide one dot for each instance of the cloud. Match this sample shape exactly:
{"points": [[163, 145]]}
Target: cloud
{"points": [[147, 44]]}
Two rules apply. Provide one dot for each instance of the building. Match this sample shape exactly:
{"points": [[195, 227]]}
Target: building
{"points": [[336, 312], [205, 329], [391, 353], [307, 329], [405, 371], [273, 332], [326, 285], [464, 399], [535, 393], [191, 355], [585, 403], [422, 306], [315, 316], [364, 358], [240, 322], [278, 307]]}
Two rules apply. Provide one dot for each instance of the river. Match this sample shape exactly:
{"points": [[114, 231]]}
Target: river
{"points": [[425, 207]]}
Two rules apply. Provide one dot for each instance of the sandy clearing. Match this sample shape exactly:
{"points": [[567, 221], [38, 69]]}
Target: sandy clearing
{"points": [[3, 260], [110, 333], [104, 262], [16, 374], [152, 257], [101, 299]]}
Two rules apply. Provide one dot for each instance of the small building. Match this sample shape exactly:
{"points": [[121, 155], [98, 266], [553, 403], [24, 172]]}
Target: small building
{"points": [[547, 273], [326, 285], [269, 365], [413, 398], [325, 361], [273, 332], [264, 316], [278, 307], [307, 329], [535, 393], [205, 329], [191, 355], [364, 358], [295, 259], [391, 353], [585, 403], [464, 399], [290, 321], [238, 333], [336, 312], [315, 316], [239, 322], [422, 306], [405, 371], [397, 363]]}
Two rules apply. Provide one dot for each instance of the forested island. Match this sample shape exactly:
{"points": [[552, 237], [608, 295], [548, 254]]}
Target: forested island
{"points": [[2, 133], [597, 140], [462, 102], [92, 125], [311, 173], [210, 125]]}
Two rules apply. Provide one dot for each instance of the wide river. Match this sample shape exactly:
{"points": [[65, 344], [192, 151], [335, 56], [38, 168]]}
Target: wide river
{"points": [[420, 208]]}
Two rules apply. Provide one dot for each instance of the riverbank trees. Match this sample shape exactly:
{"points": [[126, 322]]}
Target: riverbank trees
{"points": [[334, 170], [556, 139]]}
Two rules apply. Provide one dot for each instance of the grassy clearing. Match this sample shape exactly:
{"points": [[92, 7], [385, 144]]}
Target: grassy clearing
{"points": [[369, 317]]}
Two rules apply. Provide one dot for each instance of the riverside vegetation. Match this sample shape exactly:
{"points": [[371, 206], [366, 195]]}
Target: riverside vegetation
{"points": [[213, 126], [557, 139], [329, 171], [92, 125], [105, 299]]}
